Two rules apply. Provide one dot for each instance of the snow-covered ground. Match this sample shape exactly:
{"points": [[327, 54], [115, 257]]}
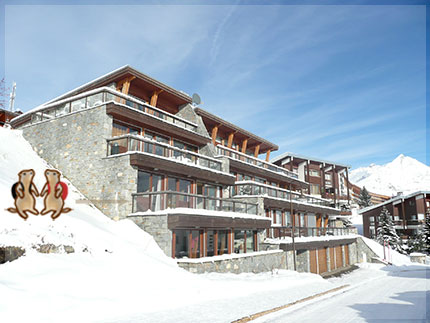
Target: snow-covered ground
{"points": [[376, 294], [117, 273], [403, 174]]}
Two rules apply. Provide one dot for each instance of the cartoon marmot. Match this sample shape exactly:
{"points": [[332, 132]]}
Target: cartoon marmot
{"points": [[24, 192], [56, 193]]}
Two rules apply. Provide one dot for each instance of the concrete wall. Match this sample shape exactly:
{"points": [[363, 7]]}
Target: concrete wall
{"points": [[254, 263], [76, 145]]}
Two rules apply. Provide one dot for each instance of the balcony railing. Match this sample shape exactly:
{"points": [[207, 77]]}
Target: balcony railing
{"points": [[286, 231], [254, 188], [102, 96], [158, 201], [224, 151], [128, 143]]}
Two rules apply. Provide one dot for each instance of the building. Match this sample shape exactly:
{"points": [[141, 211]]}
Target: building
{"points": [[326, 179], [139, 149], [6, 116], [375, 198], [407, 211]]}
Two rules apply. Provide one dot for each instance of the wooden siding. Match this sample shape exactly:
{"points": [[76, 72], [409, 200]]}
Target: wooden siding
{"points": [[322, 260], [313, 261]]}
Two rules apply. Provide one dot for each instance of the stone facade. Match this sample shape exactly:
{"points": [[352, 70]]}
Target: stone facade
{"points": [[76, 145], [156, 225], [254, 263], [302, 261]]}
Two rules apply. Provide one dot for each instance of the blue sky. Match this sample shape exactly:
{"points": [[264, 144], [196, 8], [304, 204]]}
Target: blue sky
{"points": [[341, 83]]}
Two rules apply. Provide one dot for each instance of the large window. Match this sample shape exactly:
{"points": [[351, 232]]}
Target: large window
{"points": [[187, 243]]}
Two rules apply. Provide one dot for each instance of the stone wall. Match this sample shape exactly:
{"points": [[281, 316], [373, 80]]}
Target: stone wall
{"points": [[156, 225], [363, 252], [76, 145], [256, 262], [302, 261]]}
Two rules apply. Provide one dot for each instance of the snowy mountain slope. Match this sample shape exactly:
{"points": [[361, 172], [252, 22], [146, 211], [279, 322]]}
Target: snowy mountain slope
{"points": [[403, 174]]}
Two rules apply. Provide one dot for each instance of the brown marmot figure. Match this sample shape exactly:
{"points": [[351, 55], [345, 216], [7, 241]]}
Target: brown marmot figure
{"points": [[54, 199], [24, 193]]}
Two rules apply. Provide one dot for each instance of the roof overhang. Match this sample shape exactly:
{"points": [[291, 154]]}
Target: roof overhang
{"points": [[210, 120]]}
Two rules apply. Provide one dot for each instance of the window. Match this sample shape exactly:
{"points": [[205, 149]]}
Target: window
{"points": [[372, 219], [119, 129], [288, 219], [327, 176], [250, 241], [314, 172], [239, 241], [222, 242], [315, 189], [278, 217], [187, 243]]}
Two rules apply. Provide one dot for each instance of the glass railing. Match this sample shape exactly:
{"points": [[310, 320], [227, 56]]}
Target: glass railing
{"points": [[158, 201], [224, 151], [286, 231], [127, 143], [101, 96], [254, 188]]}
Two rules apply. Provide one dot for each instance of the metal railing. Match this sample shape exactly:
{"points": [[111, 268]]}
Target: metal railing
{"points": [[102, 96], [286, 231], [224, 151], [255, 188], [159, 201], [128, 143]]}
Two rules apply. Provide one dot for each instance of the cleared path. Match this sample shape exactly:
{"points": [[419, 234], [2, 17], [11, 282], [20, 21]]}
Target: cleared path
{"points": [[401, 296]]}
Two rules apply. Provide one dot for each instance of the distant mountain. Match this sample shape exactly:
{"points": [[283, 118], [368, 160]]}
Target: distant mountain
{"points": [[403, 174]]}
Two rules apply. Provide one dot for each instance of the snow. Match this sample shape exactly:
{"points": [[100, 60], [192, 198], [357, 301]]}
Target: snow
{"points": [[396, 258], [202, 212], [403, 174], [288, 240], [227, 256], [376, 293], [118, 273]]}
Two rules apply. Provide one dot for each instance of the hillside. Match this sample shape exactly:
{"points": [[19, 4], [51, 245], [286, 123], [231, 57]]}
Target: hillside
{"points": [[403, 174]]}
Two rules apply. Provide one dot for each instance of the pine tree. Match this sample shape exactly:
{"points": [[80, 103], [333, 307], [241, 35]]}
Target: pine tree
{"points": [[364, 200], [424, 236], [386, 231]]}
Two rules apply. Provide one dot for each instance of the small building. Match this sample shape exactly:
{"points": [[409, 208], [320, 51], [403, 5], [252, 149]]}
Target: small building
{"points": [[407, 211]]}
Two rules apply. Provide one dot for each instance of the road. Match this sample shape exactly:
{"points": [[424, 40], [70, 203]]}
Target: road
{"points": [[401, 294]]}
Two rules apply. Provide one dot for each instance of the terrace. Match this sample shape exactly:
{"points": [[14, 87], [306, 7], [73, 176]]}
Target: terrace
{"points": [[231, 153], [135, 143], [95, 98], [163, 200], [255, 188]]}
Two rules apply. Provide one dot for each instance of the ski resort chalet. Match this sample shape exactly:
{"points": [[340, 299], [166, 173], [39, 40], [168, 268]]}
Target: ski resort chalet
{"points": [[141, 150], [407, 211]]}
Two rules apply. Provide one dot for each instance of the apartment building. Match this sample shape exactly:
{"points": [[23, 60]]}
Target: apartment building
{"points": [[139, 149], [407, 211], [326, 179]]}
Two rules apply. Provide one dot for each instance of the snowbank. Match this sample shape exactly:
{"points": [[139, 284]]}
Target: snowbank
{"points": [[395, 257]]}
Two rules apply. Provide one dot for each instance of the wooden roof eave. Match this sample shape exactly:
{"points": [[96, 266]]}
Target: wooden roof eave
{"points": [[265, 145]]}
